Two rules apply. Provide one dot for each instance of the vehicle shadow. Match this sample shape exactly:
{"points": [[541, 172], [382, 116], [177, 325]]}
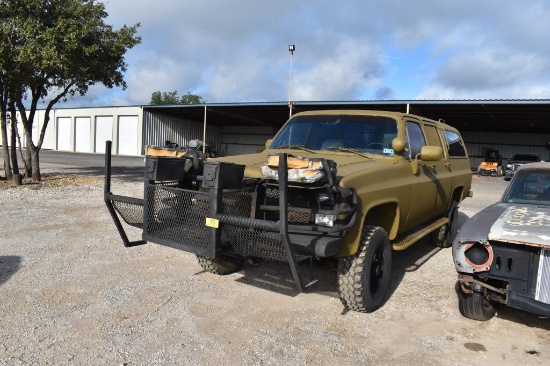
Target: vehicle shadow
{"points": [[8, 266], [523, 317], [277, 277], [410, 260]]}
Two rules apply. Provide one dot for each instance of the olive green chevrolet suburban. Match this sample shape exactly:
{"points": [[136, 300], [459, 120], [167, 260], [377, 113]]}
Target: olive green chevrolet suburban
{"points": [[350, 185]]}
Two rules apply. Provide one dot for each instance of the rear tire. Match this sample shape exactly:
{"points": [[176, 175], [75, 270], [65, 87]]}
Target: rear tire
{"points": [[221, 265], [443, 237], [363, 278], [475, 306]]}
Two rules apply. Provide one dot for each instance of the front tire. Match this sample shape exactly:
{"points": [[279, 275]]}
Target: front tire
{"points": [[475, 306], [221, 265], [443, 237], [363, 278]]}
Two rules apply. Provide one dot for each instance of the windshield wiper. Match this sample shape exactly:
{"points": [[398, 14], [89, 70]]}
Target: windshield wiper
{"points": [[296, 146], [348, 149]]}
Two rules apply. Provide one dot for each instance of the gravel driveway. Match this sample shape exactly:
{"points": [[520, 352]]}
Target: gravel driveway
{"points": [[70, 293]]}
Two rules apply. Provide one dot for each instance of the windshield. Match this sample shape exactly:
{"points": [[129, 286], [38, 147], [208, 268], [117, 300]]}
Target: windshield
{"points": [[361, 134], [529, 186]]}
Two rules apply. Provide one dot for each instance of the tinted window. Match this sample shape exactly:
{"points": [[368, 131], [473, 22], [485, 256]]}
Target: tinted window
{"points": [[456, 146], [414, 139]]}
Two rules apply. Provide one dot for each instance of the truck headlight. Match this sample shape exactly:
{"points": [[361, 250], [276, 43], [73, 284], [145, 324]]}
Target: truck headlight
{"points": [[324, 220]]}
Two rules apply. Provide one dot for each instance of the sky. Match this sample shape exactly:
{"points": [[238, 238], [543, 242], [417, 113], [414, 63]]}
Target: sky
{"points": [[235, 51]]}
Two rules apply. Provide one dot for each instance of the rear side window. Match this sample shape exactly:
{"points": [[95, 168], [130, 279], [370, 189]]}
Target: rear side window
{"points": [[456, 146]]}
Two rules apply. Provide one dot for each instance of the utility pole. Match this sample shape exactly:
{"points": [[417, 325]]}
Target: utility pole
{"points": [[291, 49]]}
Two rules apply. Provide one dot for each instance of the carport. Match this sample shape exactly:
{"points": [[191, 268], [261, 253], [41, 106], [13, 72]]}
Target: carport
{"points": [[511, 126]]}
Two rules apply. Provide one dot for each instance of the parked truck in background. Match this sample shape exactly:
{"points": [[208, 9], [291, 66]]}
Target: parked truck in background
{"points": [[346, 185], [491, 164], [518, 160]]}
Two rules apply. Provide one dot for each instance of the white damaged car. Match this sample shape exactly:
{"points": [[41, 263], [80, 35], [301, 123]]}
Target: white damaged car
{"points": [[502, 254]]}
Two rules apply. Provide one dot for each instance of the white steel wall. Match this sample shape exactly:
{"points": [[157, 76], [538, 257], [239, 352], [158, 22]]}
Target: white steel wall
{"points": [[87, 129]]}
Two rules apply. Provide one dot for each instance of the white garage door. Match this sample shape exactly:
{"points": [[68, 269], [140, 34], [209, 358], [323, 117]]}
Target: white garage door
{"points": [[128, 135], [103, 132], [82, 134], [64, 133]]}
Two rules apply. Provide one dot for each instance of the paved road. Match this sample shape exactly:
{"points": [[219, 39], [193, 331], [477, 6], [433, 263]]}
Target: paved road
{"points": [[132, 167]]}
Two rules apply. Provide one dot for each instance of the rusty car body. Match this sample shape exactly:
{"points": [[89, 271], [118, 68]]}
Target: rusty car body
{"points": [[502, 254]]}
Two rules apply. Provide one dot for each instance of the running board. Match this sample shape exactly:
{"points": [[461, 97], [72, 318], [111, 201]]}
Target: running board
{"points": [[408, 240]]}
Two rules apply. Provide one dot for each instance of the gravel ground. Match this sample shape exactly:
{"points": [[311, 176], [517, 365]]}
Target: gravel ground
{"points": [[70, 293]]}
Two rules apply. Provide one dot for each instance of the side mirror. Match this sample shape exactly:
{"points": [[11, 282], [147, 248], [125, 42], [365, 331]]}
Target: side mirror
{"points": [[267, 143], [431, 153], [398, 144], [427, 153]]}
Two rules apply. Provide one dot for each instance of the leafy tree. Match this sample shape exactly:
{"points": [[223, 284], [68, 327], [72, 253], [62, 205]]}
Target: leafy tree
{"points": [[172, 98], [192, 99], [52, 50], [164, 98]]}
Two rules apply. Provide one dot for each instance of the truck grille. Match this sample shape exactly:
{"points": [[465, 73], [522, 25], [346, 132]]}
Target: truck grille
{"points": [[543, 279], [299, 198]]}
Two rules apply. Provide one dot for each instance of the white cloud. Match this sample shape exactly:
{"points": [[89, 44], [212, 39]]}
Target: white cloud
{"points": [[231, 51]]}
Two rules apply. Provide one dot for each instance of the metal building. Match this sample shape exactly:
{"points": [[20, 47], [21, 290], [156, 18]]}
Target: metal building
{"points": [[510, 126]]}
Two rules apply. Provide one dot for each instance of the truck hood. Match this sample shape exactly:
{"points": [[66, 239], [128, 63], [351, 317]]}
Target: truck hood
{"points": [[347, 163], [510, 223]]}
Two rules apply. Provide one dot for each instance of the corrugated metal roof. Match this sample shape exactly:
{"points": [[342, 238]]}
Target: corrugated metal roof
{"points": [[498, 115]]}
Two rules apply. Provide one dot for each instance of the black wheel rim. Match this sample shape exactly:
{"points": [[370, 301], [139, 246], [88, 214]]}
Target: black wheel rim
{"points": [[376, 271]]}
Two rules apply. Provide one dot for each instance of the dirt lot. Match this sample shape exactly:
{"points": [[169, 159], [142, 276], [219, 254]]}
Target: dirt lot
{"points": [[70, 293]]}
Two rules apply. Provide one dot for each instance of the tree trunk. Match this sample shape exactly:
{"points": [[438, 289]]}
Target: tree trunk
{"points": [[13, 139], [26, 165], [5, 149], [4, 131], [27, 157], [35, 164]]}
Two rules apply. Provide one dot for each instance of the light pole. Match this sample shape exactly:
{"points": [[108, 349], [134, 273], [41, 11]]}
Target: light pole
{"points": [[291, 49]]}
